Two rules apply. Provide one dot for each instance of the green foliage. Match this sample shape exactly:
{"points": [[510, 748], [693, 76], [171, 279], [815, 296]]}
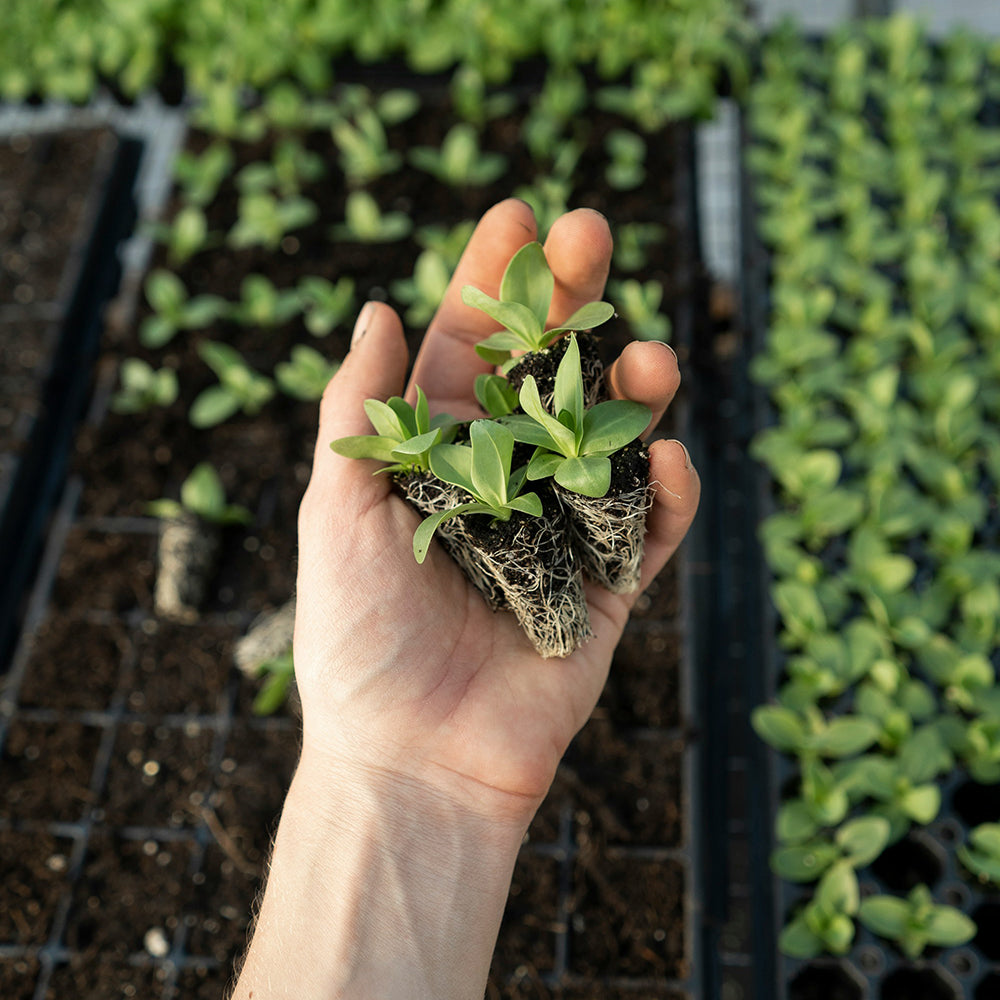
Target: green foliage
{"points": [[523, 307], [483, 470], [982, 854], [279, 675], [871, 160], [573, 448], [639, 304], [306, 375], [326, 304], [826, 922], [203, 495], [175, 310], [627, 154], [185, 235], [239, 388], [459, 161], [143, 387], [261, 304], [365, 222], [265, 219], [199, 176], [404, 434], [916, 922]]}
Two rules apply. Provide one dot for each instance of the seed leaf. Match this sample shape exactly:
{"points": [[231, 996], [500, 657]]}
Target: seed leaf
{"points": [[528, 280]]}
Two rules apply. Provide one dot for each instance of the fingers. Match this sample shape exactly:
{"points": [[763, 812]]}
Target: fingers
{"points": [[677, 489], [375, 367], [447, 365], [646, 372], [578, 250]]}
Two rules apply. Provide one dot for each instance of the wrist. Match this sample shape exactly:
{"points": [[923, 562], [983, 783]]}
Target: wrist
{"points": [[378, 888]]}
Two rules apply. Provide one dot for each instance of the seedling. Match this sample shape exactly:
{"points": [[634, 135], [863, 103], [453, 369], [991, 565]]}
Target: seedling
{"points": [[291, 167], [364, 147], [306, 375], [495, 395], [916, 922], [574, 449], [483, 470], [404, 434], [326, 304], [826, 922], [627, 153], [261, 304], [279, 675], [523, 307], [184, 236], [365, 222], [202, 495], [175, 311], [240, 388], [425, 289], [201, 175], [982, 854], [858, 842], [639, 304], [459, 161], [143, 387], [265, 220]]}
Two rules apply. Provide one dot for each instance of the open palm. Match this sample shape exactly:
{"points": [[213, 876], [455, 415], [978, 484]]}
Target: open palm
{"points": [[403, 668]]}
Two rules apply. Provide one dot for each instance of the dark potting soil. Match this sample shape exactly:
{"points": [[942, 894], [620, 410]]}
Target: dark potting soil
{"points": [[136, 735]]}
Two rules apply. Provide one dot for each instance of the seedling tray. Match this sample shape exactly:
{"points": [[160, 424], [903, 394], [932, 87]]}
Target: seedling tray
{"points": [[66, 205], [873, 967], [142, 790]]}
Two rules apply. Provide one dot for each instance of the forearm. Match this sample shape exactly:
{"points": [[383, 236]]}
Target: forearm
{"points": [[377, 890]]}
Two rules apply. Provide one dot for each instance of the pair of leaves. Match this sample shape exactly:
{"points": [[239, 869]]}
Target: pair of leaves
{"points": [[203, 495], [916, 921], [573, 447], [523, 308]]}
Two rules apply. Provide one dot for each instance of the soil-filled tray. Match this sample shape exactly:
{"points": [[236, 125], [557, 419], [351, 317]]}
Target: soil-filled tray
{"points": [[135, 742], [65, 203]]}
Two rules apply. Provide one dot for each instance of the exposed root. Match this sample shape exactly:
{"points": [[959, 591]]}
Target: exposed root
{"points": [[188, 549], [608, 533]]}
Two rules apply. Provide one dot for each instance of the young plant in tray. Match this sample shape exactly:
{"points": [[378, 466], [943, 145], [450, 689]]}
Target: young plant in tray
{"points": [[190, 534]]}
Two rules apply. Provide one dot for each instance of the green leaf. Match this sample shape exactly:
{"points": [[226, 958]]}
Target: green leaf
{"points": [[203, 494], [492, 447], [165, 292], [527, 503], [922, 803], [797, 940], [611, 425], [886, 916], [568, 391], [157, 331], [794, 823], [846, 736], [422, 413], [838, 890], [586, 317], [212, 406], [364, 446], [495, 395], [516, 318], [543, 465], [415, 446], [589, 476], [862, 840], [167, 510], [385, 420], [803, 862], [779, 727], [563, 439], [452, 463], [948, 927], [425, 530], [528, 430], [528, 280]]}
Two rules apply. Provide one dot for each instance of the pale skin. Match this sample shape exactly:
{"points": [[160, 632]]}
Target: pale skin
{"points": [[431, 728]]}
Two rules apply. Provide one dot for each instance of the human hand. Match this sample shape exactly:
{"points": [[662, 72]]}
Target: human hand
{"points": [[403, 669]]}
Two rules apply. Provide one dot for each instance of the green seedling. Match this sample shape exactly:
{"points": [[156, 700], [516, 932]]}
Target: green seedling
{"points": [[809, 733], [175, 310], [627, 154], [326, 304], [826, 922], [574, 448], [200, 175], [471, 99], [633, 242], [404, 434], [916, 922], [292, 166], [261, 304], [639, 304], [523, 308], [365, 222], [483, 470], [184, 236], [425, 289], [279, 675], [143, 387], [364, 147], [240, 388], [202, 495], [982, 853], [858, 842], [458, 161], [306, 375], [265, 220]]}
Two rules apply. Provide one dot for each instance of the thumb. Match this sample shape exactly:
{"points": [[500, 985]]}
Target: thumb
{"points": [[375, 368]]}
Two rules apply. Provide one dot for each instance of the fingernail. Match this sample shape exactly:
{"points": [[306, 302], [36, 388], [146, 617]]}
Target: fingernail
{"points": [[687, 455], [361, 325]]}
